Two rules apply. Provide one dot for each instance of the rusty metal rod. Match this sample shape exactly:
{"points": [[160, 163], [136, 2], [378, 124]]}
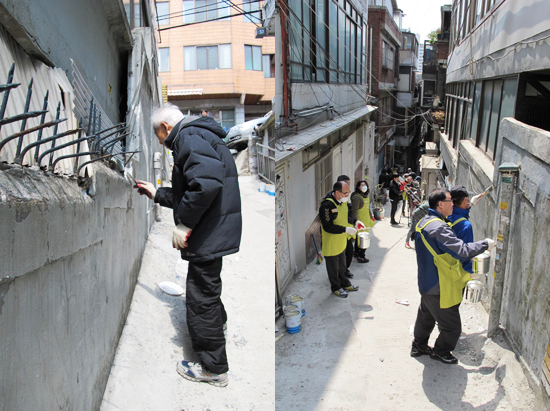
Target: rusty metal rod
{"points": [[114, 141], [24, 121], [6, 87], [96, 142], [30, 130], [103, 158], [84, 153], [77, 146], [22, 116], [58, 112], [42, 119], [70, 143], [7, 93], [19, 158]]}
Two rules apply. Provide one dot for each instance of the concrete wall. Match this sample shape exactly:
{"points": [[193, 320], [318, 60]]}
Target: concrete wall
{"points": [[56, 31], [526, 301], [497, 35], [68, 264]]}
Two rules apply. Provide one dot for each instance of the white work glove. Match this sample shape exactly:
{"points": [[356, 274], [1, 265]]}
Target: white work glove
{"points": [[491, 243], [475, 199], [146, 188], [351, 230], [180, 235], [359, 225]]}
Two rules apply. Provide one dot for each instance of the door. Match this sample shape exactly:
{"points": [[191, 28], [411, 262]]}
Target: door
{"points": [[336, 162], [282, 249]]}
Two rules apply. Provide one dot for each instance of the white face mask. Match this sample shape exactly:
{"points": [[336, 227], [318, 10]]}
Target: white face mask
{"points": [[364, 189], [344, 200]]}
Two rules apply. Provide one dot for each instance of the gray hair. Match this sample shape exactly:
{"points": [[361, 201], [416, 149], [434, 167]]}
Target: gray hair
{"points": [[167, 113]]}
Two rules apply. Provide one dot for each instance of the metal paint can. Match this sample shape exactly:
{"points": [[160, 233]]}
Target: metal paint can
{"points": [[293, 319], [473, 291], [363, 239]]}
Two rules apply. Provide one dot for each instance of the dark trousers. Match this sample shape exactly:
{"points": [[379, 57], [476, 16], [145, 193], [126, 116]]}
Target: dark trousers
{"points": [[336, 269], [448, 322], [394, 204], [360, 252], [206, 314], [349, 253]]}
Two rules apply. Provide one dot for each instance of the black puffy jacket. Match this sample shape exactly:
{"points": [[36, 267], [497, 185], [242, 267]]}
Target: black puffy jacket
{"points": [[205, 190]]}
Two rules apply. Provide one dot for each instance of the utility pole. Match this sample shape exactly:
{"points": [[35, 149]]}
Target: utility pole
{"points": [[508, 175]]}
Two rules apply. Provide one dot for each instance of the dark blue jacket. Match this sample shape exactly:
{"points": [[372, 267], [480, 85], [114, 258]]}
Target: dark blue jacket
{"points": [[463, 230], [442, 239], [205, 190]]}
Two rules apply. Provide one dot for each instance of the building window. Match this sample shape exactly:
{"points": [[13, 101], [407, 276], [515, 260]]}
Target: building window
{"points": [[323, 178], [207, 57], [252, 7], [136, 13], [164, 59], [163, 13], [196, 11], [228, 119], [268, 61], [325, 41], [253, 58]]}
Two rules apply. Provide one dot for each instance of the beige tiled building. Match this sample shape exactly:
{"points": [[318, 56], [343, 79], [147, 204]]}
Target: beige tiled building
{"points": [[209, 57]]}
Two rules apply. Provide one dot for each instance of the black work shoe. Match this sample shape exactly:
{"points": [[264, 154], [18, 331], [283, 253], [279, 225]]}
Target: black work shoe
{"points": [[348, 274], [417, 352], [446, 359]]}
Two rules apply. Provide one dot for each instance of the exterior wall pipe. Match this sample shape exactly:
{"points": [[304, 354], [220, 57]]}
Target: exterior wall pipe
{"points": [[370, 61], [284, 58], [508, 176]]}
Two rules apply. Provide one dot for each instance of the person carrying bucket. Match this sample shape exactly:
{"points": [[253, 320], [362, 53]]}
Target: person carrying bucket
{"points": [[350, 238], [360, 210], [460, 219], [335, 225], [441, 278]]}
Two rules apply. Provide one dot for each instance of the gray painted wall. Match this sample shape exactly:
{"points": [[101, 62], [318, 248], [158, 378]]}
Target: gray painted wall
{"points": [[526, 301], [68, 264], [56, 31]]}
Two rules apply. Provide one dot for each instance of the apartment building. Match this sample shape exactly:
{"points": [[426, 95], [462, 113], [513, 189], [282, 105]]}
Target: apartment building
{"points": [[498, 96], [384, 22], [210, 58]]}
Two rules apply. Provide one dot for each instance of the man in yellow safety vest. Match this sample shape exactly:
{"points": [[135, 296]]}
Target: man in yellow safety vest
{"points": [[441, 278], [336, 224]]}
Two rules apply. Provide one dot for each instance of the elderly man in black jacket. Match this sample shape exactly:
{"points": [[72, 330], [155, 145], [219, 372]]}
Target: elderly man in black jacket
{"points": [[207, 213]]}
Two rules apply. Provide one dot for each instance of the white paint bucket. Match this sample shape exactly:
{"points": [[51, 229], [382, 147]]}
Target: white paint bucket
{"points": [[297, 301], [261, 188], [293, 320], [270, 189]]}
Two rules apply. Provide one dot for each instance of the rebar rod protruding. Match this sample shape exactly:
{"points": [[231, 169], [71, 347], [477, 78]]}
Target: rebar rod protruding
{"points": [[77, 147], [42, 119], [85, 153], [24, 121], [114, 141], [19, 158], [55, 129], [7, 91], [70, 143], [30, 130], [103, 158]]}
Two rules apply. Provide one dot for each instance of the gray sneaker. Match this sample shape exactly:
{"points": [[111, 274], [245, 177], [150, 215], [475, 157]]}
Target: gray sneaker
{"points": [[341, 293], [194, 371]]}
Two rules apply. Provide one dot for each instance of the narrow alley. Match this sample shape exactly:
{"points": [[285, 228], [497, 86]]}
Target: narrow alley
{"points": [[155, 336], [353, 354]]}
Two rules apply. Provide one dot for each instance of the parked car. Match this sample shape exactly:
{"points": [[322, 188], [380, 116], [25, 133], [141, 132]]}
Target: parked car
{"points": [[238, 136]]}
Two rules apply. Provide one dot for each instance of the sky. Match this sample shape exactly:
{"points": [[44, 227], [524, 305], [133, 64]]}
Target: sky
{"points": [[422, 16]]}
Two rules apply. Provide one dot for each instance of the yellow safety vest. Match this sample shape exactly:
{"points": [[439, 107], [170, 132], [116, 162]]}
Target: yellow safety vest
{"points": [[457, 221], [335, 244], [452, 277], [363, 214]]}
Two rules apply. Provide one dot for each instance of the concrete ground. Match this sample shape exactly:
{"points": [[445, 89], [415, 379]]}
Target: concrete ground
{"points": [[155, 337], [353, 354]]}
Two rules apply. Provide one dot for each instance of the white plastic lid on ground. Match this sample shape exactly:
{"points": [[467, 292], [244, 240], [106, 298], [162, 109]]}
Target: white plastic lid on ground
{"points": [[170, 288]]}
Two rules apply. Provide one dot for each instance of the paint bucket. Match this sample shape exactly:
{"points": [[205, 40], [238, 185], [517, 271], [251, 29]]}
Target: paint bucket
{"points": [[473, 291], [270, 189], [376, 212], [482, 262], [297, 301], [363, 240], [293, 320], [261, 188]]}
